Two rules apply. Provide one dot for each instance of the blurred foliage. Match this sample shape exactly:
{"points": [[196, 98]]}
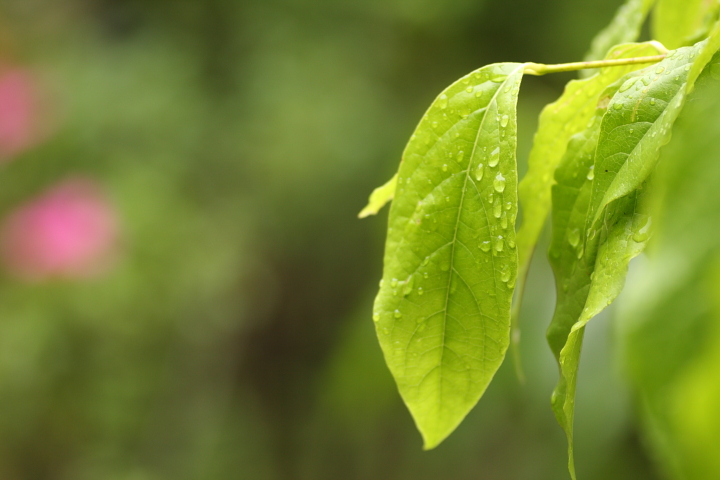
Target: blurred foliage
{"points": [[233, 338], [670, 322]]}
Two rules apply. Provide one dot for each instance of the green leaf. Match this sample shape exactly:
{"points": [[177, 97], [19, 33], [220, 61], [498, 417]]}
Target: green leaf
{"points": [[677, 23], [623, 28], [605, 236], [559, 121], [571, 257], [638, 122], [443, 311], [379, 197], [623, 238]]}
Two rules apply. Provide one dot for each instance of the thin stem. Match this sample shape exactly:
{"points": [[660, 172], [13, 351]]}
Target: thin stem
{"points": [[542, 69]]}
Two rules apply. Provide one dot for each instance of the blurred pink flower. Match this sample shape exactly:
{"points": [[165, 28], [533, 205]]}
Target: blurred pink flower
{"points": [[17, 112], [70, 231]]}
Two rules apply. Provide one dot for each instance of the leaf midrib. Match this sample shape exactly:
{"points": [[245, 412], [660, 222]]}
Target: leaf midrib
{"points": [[457, 223]]}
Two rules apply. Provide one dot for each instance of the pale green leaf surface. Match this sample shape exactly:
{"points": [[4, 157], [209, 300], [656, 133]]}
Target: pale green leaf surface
{"points": [[379, 197], [677, 23], [443, 311], [638, 122], [558, 122], [623, 28]]}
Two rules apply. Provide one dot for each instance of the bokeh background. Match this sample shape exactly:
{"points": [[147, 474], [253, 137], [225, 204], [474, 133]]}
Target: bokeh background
{"points": [[185, 289]]}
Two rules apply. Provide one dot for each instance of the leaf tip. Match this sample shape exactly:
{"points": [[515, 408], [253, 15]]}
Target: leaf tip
{"points": [[366, 212], [379, 197]]}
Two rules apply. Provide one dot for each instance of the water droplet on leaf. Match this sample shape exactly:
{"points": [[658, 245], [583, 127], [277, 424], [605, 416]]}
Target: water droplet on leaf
{"points": [[443, 101], [499, 243], [591, 172], [479, 171], [505, 275], [408, 285], [494, 157], [499, 183], [626, 86], [574, 237]]}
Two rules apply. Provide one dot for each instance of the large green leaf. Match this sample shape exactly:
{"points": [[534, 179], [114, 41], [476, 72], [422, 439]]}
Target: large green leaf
{"points": [[677, 23], [638, 122], [443, 311], [559, 121], [604, 236], [623, 28]]}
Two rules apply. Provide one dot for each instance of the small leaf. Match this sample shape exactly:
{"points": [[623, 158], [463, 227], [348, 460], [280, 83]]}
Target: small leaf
{"points": [[638, 122], [677, 23], [559, 121], [443, 310], [623, 28], [379, 197]]}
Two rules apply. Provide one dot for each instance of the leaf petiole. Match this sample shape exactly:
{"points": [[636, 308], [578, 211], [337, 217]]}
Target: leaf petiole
{"points": [[541, 69]]}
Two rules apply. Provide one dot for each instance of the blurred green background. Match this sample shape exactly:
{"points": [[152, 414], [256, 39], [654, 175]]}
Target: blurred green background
{"points": [[232, 337]]}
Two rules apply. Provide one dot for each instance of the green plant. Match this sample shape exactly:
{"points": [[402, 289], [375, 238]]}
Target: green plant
{"points": [[445, 314]]}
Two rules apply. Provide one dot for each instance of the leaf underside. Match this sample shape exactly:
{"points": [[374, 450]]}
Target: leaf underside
{"points": [[443, 310]]}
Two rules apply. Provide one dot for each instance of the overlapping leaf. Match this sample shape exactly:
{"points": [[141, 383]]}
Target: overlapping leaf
{"points": [[443, 310], [559, 121], [598, 216], [571, 257], [638, 123]]}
